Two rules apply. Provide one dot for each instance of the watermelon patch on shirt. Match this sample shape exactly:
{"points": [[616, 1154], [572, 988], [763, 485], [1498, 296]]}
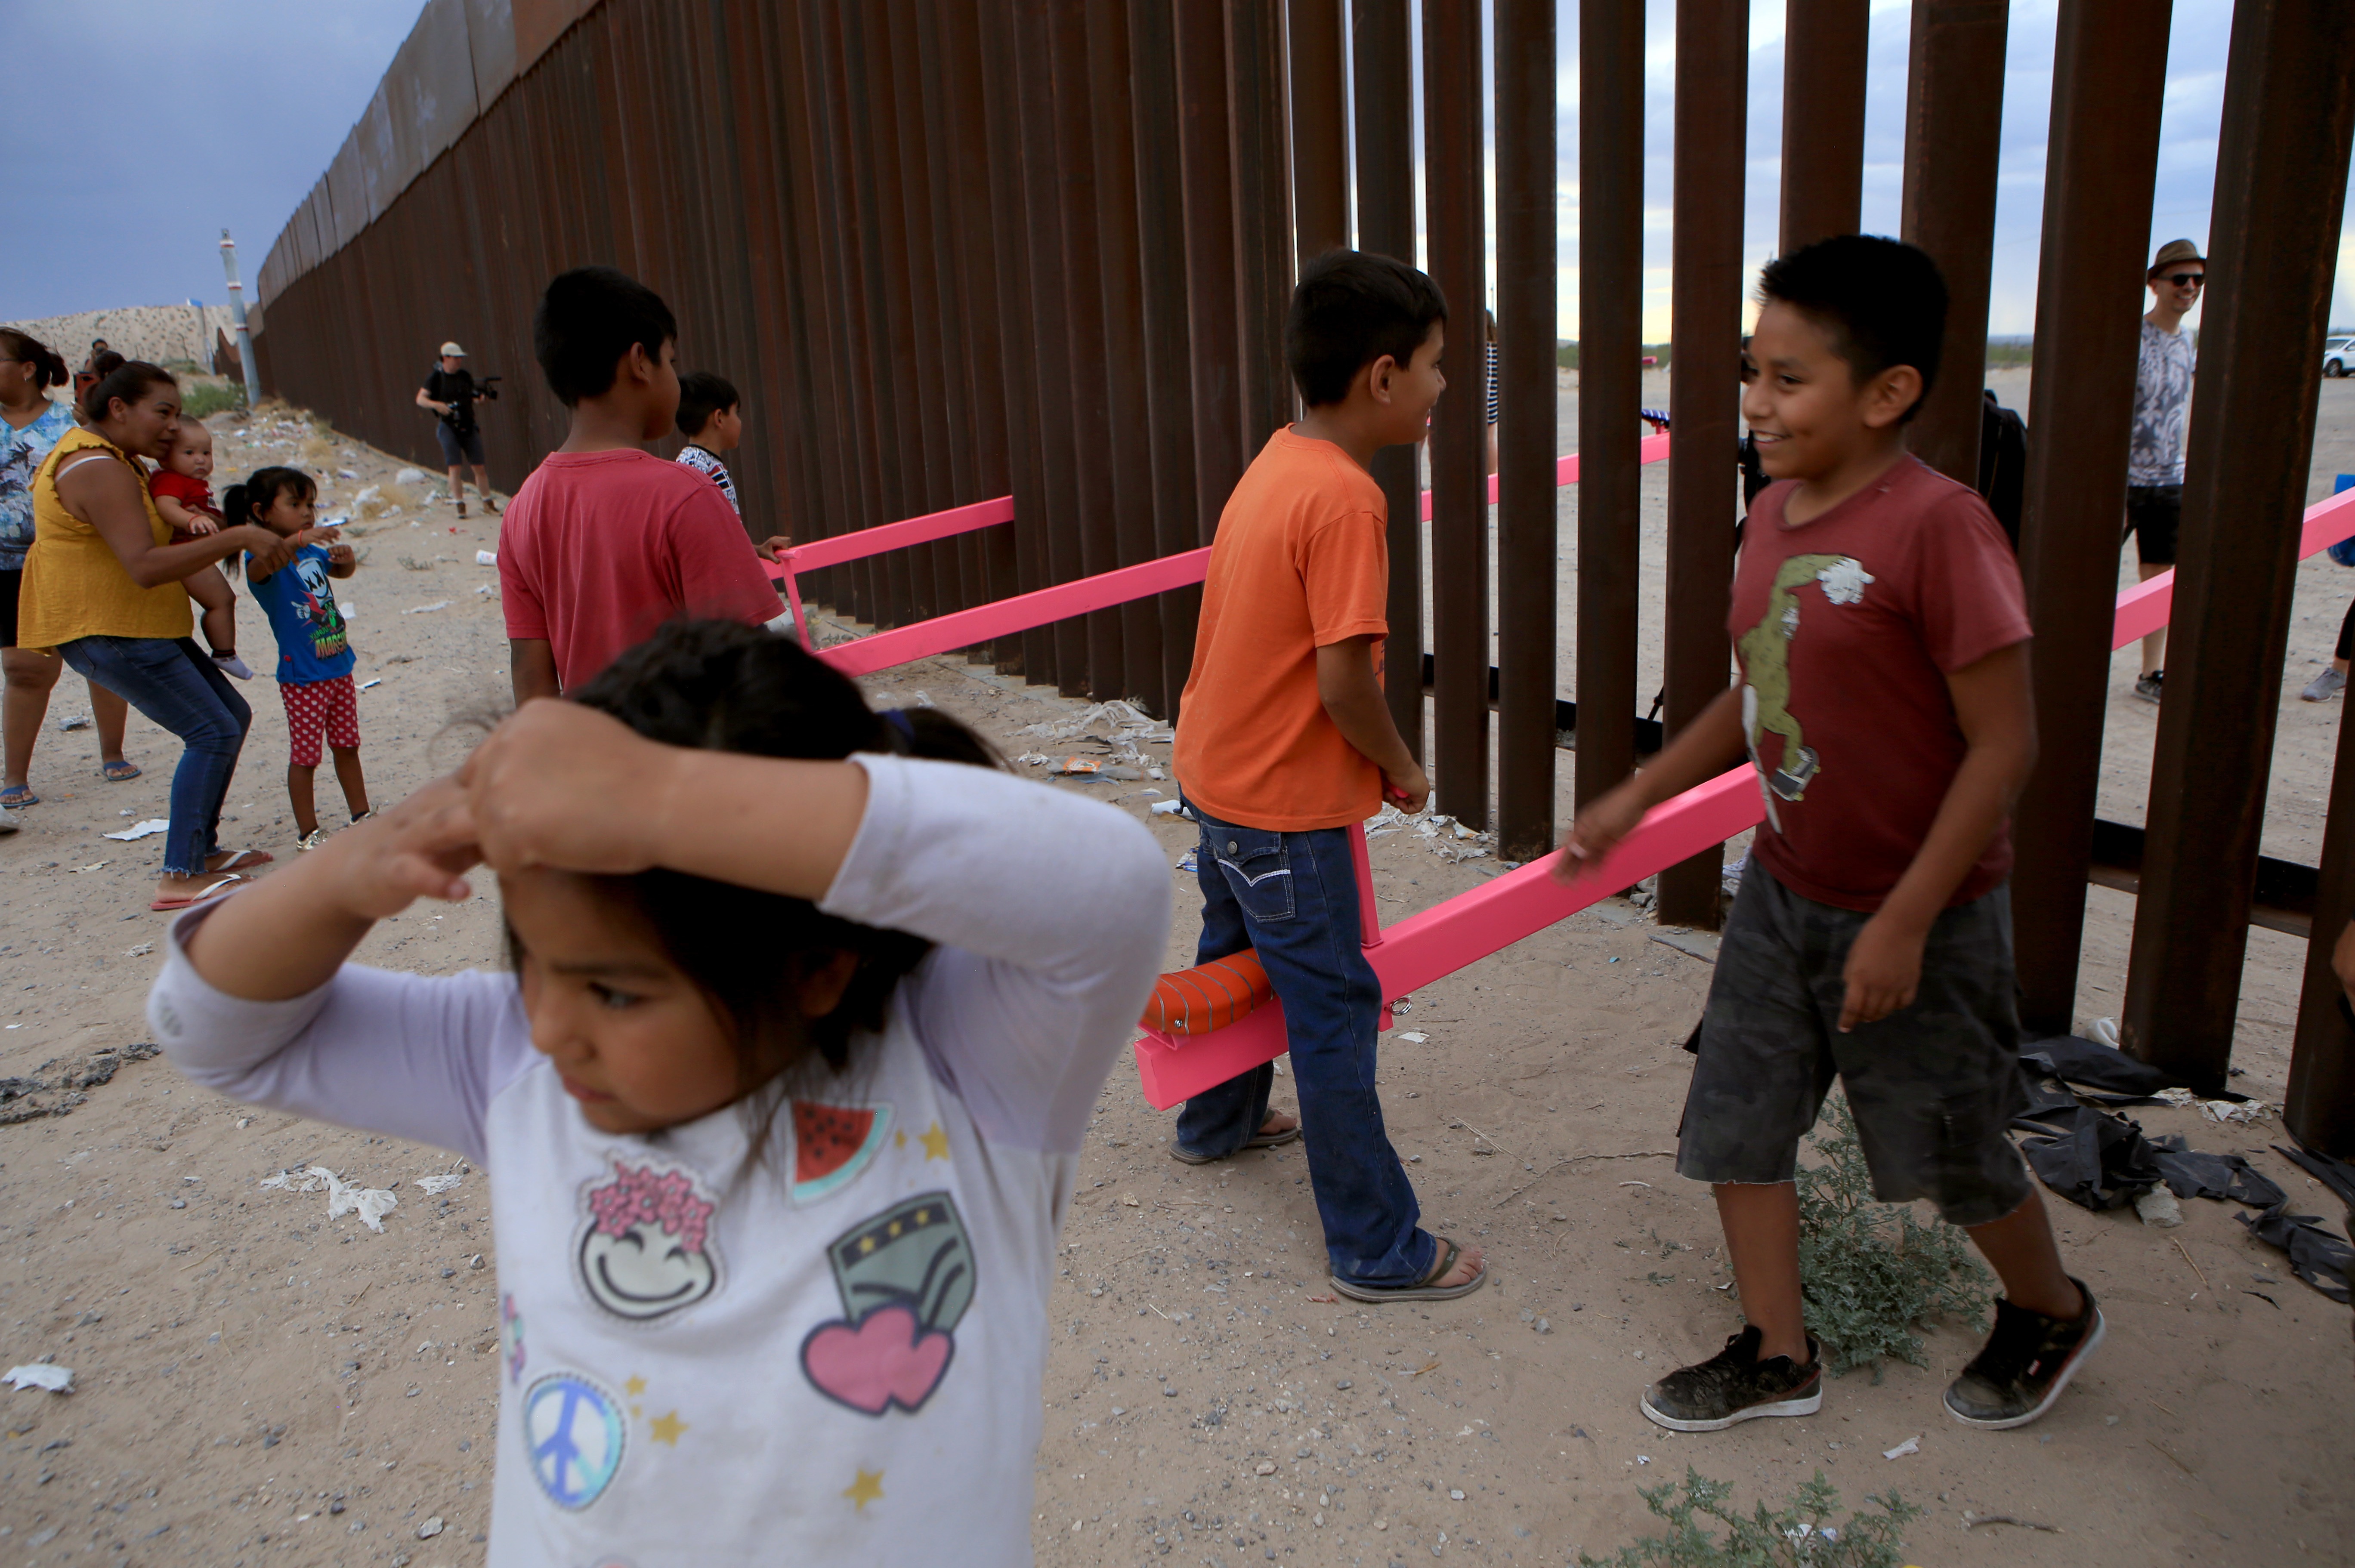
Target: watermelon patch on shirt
{"points": [[832, 1144]]}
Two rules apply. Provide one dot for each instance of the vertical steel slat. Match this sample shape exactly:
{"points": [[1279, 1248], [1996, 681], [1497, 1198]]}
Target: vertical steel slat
{"points": [[918, 257], [1954, 130], [953, 257], [1610, 387], [1704, 388], [1824, 57], [1455, 232], [1262, 213], [1314, 50], [2109, 78], [1525, 443], [1207, 176], [1384, 97], [2281, 188], [898, 416]]}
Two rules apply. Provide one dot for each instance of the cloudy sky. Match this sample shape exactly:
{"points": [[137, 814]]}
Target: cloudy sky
{"points": [[251, 99]]}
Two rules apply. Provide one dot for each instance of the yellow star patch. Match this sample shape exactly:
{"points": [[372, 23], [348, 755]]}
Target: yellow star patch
{"points": [[936, 1142], [635, 1387], [666, 1428], [866, 1489]]}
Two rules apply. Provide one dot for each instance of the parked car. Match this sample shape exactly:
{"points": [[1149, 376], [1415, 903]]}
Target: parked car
{"points": [[2338, 357]]}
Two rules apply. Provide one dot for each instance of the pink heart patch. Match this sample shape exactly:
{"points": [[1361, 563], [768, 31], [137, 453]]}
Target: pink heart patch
{"points": [[884, 1360]]}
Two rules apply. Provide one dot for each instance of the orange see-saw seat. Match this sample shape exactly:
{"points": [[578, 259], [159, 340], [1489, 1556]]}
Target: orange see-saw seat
{"points": [[1208, 995]]}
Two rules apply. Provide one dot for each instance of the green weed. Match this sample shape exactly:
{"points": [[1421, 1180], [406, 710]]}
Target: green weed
{"points": [[1871, 1273], [1792, 1536], [203, 400]]}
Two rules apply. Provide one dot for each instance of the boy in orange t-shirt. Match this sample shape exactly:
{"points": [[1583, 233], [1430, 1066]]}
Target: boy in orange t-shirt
{"points": [[1283, 741]]}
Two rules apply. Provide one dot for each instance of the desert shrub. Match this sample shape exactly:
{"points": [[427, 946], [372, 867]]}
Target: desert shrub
{"points": [[204, 400], [1871, 1273], [1792, 1536]]}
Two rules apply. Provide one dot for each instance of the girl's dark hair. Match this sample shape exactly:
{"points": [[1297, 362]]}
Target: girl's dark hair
{"points": [[245, 502], [719, 686], [49, 369], [119, 377]]}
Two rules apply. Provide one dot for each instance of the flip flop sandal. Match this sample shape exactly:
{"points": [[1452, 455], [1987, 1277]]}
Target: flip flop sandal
{"points": [[228, 880], [242, 857], [1185, 1155], [119, 772], [1448, 1253], [16, 797]]}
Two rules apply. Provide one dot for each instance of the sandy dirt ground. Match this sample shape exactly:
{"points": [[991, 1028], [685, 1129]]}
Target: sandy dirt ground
{"points": [[249, 1391]]}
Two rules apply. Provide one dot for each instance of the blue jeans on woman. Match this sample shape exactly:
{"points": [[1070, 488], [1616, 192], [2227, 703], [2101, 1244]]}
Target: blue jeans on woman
{"points": [[172, 683], [1292, 898]]}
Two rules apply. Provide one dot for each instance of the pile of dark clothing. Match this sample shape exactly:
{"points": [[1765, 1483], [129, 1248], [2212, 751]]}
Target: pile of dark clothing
{"points": [[2082, 1149]]}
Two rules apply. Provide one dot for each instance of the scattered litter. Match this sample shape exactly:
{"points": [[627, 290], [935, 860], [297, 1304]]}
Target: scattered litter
{"points": [[2105, 1031], [93, 866], [1973, 1521], [347, 474], [1910, 1445], [2096, 1160], [74, 721], [2315, 1256], [2242, 1110], [486, 558], [2190, 1173], [1324, 1300], [41, 1374], [1192, 862], [370, 1203], [335, 522], [427, 609], [372, 680], [412, 476], [434, 1186], [1111, 722], [1167, 807], [1414, 1037], [2176, 1097], [1074, 766], [2336, 1174], [2158, 1209], [1034, 758], [141, 829], [2098, 1065], [487, 590], [1634, 1184], [141, 951], [347, 608]]}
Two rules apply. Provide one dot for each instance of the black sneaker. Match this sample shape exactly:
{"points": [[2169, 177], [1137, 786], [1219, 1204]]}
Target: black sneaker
{"points": [[1735, 1385], [2024, 1365], [2149, 687]]}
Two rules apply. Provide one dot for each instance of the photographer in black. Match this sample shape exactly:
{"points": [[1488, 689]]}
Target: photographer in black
{"points": [[451, 390]]}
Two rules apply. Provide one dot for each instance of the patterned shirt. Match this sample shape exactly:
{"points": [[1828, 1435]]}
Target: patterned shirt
{"points": [[21, 452], [2162, 407], [707, 462]]}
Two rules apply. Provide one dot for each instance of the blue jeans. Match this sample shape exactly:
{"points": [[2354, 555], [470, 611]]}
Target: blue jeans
{"points": [[1292, 898], [174, 683]]}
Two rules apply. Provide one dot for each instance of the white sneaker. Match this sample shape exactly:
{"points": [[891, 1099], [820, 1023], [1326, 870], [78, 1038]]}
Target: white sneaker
{"points": [[8, 823], [2323, 687]]}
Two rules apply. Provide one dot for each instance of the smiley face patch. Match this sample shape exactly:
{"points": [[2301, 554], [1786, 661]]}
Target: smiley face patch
{"points": [[646, 1247]]}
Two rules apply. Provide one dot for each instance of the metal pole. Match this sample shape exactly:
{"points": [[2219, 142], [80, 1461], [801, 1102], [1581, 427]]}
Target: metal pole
{"points": [[1704, 389], [1128, 417], [1168, 382], [1262, 213], [2109, 76], [2320, 1109], [1954, 130], [1207, 176], [1383, 94], [1320, 151], [2281, 185], [236, 314], [1824, 52], [1610, 387], [1456, 232], [1527, 496]]}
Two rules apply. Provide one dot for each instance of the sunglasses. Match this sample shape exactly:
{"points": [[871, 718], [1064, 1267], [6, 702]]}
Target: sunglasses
{"points": [[2183, 280]]}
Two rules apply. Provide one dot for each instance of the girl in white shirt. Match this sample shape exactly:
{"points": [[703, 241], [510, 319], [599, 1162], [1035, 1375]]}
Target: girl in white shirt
{"points": [[782, 1107]]}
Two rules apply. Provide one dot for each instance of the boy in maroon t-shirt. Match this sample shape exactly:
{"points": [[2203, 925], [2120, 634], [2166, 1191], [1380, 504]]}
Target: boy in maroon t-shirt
{"points": [[606, 541], [1884, 700]]}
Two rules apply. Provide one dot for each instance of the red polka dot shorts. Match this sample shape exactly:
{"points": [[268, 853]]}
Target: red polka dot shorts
{"points": [[317, 708]]}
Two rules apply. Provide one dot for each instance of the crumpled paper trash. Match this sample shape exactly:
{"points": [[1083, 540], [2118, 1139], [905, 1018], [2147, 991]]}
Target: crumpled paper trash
{"points": [[370, 1203], [434, 1186], [142, 829], [41, 1374]]}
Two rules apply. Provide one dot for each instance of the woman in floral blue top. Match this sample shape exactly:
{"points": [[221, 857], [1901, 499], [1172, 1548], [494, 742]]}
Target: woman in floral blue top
{"points": [[29, 425]]}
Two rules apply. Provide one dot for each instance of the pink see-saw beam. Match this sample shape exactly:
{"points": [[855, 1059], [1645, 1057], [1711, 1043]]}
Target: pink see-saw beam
{"points": [[1461, 931], [942, 634]]}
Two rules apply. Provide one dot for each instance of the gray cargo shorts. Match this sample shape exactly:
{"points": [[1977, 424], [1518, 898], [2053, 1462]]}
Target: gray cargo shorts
{"points": [[1933, 1086]]}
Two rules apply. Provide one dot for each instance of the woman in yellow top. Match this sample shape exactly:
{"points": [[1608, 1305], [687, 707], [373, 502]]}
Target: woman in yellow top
{"points": [[103, 587]]}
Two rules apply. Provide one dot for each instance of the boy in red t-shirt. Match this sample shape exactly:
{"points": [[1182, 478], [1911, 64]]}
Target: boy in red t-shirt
{"points": [[1884, 700], [184, 498], [1283, 741], [606, 541]]}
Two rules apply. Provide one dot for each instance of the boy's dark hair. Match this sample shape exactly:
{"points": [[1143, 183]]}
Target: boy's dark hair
{"points": [[48, 366], [1883, 301], [119, 377], [719, 686], [701, 395], [1350, 308], [587, 321]]}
